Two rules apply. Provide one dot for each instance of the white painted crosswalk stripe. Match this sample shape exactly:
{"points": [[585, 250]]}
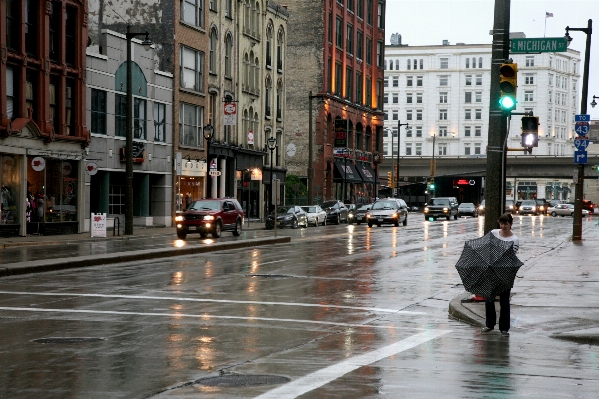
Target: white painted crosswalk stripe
{"points": [[324, 376]]}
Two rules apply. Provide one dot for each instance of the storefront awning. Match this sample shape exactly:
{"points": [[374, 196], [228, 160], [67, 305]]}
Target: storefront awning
{"points": [[346, 171], [366, 172]]}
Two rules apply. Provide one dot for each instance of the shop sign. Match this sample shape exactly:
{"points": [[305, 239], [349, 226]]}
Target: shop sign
{"points": [[194, 168], [98, 228], [38, 164], [250, 137], [230, 114], [91, 168], [341, 128], [256, 174]]}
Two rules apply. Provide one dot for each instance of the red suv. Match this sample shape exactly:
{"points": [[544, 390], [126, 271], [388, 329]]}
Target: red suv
{"points": [[210, 216]]}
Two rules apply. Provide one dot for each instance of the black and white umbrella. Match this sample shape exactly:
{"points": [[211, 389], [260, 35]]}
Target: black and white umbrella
{"points": [[488, 266]]}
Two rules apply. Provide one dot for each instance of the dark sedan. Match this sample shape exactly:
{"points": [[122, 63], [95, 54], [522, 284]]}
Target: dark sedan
{"points": [[288, 216], [360, 214], [467, 209], [336, 211]]}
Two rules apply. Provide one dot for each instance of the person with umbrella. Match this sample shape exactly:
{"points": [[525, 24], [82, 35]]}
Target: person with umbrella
{"points": [[488, 267], [505, 233]]}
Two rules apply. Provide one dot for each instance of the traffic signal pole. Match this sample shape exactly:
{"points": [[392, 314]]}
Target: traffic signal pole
{"points": [[497, 117]]}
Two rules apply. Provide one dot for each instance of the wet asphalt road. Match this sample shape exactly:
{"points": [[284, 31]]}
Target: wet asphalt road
{"points": [[342, 311]]}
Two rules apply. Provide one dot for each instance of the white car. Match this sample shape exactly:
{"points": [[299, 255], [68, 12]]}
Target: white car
{"points": [[316, 215], [564, 210]]}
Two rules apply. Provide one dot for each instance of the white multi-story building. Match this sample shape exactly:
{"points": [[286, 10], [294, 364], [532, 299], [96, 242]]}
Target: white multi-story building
{"points": [[443, 92]]}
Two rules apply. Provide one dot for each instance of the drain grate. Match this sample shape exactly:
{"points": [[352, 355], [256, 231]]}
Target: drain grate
{"points": [[67, 340], [242, 380]]}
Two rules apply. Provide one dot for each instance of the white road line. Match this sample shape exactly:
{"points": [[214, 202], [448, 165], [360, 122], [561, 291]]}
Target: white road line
{"points": [[324, 376], [185, 299], [204, 317]]}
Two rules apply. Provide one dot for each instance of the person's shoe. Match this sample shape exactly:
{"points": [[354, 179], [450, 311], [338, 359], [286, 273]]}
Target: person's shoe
{"points": [[505, 334], [485, 329]]}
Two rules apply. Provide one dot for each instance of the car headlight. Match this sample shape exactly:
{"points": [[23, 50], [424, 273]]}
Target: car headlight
{"points": [[368, 215], [445, 210], [179, 219], [426, 209], [208, 217], [481, 207], [351, 215], [394, 215]]}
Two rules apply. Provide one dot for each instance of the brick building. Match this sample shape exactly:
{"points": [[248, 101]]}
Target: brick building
{"points": [[336, 51], [42, 116]]}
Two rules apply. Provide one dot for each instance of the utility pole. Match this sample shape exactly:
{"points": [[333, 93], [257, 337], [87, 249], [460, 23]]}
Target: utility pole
{"points": [[497, 117]]}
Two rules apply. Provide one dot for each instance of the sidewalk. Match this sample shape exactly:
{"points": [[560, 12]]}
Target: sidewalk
{"points": [[32, 254], [555, 294]]}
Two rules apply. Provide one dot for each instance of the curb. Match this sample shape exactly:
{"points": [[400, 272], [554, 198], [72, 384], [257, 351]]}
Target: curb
{"points": [[120, 257], [460, 312]]}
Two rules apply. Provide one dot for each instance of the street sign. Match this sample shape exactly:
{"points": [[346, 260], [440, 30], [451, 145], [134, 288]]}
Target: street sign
{"points": [[580, 143], [580, 157], [582, 118], [539, 45], [214, 173], [582, 128]]}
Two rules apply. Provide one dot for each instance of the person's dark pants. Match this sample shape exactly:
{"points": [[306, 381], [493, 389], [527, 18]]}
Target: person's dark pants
{"points": [[504, 312]]}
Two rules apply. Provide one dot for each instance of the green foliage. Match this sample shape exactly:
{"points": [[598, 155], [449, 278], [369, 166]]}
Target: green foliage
{"points": [[294, 187]]}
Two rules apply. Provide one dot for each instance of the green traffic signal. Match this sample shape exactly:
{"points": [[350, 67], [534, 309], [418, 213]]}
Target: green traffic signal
{"points": [[507, 103], [508, 82], [432, 186]]}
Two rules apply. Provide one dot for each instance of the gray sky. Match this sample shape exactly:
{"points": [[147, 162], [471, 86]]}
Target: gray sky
{"points": [[429, 22]]}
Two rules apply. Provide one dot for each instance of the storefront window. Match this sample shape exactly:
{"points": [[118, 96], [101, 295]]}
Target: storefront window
{"points": [[9, 183]]}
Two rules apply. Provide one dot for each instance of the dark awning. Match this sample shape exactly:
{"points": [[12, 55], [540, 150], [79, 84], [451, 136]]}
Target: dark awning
{"points": [[346, 171], [366, 172]]}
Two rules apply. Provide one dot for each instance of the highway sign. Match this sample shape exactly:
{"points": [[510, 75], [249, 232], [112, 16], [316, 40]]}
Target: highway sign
{"points": [[582, 118], [539, 45], [582, 128], [581, 144], [580, 157]]}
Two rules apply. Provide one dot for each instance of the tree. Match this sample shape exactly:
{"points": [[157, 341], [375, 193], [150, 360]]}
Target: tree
{"points": [[294, 188]]}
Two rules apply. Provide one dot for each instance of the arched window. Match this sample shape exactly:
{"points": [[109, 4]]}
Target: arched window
{"points": [[467, 62], [228, 54], [367, 144], [246, 72], [267, 93], [390, 65], [409, 64], [473, 62], [256, 21], [256, 75], [279, 99], [421, 63], [397, 65], [268, 45], [480, 62], [280, 43], [213, 46]]}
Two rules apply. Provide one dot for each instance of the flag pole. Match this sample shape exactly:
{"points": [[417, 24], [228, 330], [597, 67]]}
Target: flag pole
{"points": [[545, 31]]}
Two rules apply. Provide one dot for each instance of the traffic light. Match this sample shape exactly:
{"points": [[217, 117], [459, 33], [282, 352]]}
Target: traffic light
{"points": [[390, 179], [530, 131], [595, 168], [508, 80], [432, 185]]}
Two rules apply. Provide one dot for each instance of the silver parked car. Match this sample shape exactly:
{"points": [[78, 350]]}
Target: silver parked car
{"points": [[316, 215], [467, 209], [564, 210], [388, 211]]}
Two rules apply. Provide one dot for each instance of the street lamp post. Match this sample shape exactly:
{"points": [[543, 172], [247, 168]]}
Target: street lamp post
{"points": [[579, 191], [147, 43], [345, 156], [272, 144], [208, 132], [377, 159]]}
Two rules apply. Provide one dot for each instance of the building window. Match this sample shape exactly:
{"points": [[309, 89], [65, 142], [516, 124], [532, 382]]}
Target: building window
{"points": [[139, 119], [444, 63], [350, 5], [418, 131], [466, 148], [418, 98], [443, 97], [478, 114], [120, 115], [409, 64], [409, 114], [70, 35], [528, 95], [381, 15], [386, 82], [338, 78], [395, 98], [466, 131], [330, 31], [468, 97], [213, 47], [408, 148], [443, 114], [229, 8], [479, 80], [213, 5], [409, 98], [368, 50], [395, 115], [193, 12], [268, 62], [443, 80], [228, 53], [192, 69], [360, 9], [409, 131], [116, 199], [442, 131], [369, 12], [477, 131], [476, 148], [339, 33], [467, 113], [421, 63], [350, 40], [380, 53], [418, 114], [10, 94], [409, 81], [98, 111], [190, 122], [550, 78], [386, 99], [468, 62], [530, 61], [479, 97], [396, 81], [359, 87], [418, 149], [442, 149], [359, 44], [480, 62], [419, 81], [349, 87], [468, 80], [529, 79], [159, 122]]}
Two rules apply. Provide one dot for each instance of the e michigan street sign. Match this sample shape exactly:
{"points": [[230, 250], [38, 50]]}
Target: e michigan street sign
{"points": [[539, 45]]}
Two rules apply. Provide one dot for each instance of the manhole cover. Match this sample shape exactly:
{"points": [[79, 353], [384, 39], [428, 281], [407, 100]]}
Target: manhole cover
{"points": [[67, 340], [241, 380]]}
